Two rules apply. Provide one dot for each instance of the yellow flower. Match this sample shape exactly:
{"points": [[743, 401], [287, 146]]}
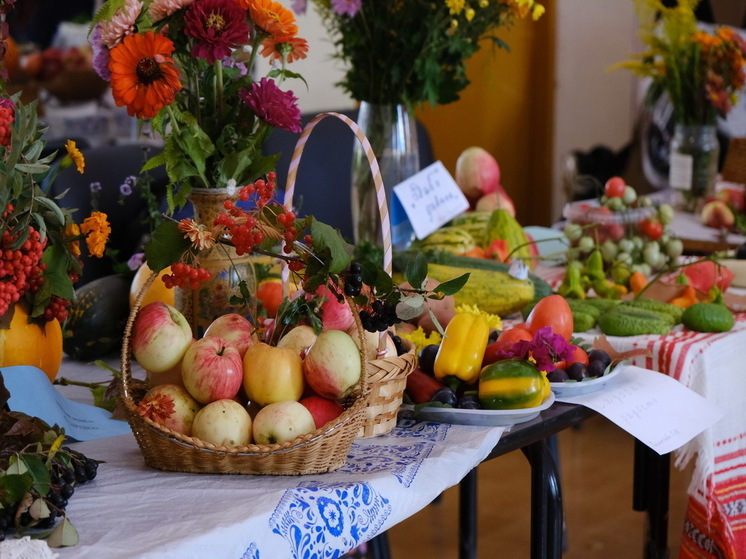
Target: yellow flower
{"points": [[419, 339], [492, 319], [455, 7], [71, 232], [96, 228], [75, 155]]}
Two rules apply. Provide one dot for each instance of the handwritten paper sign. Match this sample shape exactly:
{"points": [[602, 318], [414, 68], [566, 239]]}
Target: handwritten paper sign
{"points": [[652, 407], [430, 199], [33, 394]]}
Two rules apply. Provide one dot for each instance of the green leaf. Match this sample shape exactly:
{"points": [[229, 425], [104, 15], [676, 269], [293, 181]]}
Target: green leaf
{"points": [[64, 535], [60, 284], [325, 236], [453, 285], [166, 246], [39, 509], [38, 471], [410, 307], [100, 400], [32, 168], [13, 487], [416, 272]]}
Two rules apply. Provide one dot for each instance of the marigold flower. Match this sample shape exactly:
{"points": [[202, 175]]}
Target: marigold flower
{"points": [[143, 76], [157, 407], [218, 26], [271, 17], [72, 231], [199, 234], [76, 155], [96, 229]]}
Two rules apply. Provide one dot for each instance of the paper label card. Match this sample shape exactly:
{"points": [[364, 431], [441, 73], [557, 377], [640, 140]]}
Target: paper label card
{"points": [[430, 198], [33, 394], [654, 408]]}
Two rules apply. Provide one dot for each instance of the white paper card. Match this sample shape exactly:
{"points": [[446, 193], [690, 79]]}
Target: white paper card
{"points": [[430, 199], [652, 407], [33, 394]]}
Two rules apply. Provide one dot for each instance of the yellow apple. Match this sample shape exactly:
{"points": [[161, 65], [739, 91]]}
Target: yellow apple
{"points": [[272, 374]]}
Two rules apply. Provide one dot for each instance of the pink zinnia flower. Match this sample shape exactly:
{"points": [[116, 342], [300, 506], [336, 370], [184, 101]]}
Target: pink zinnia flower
{"points": [[218, 26], [274, 106], [164, 8], [349, 7], [121, 24]]}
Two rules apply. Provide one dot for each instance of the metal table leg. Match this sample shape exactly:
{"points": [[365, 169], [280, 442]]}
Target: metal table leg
{"points": [[650, 494], [378, 547], [546, 502], [467, 541]]}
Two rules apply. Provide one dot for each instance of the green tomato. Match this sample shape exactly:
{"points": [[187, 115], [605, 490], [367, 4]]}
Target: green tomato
{"points": [[674, 248], [624, 258], [586, 244], [609, 250], [615, 204], [630, 195], [652, 247], [626, 245], [573, 231], [644, 202], [643, 268], [638, 242], [665, 214]]}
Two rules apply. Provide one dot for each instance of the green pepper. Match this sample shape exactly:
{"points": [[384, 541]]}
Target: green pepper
{"points": [[572, 284], [594, 267], [608, 289], [462, 349]]}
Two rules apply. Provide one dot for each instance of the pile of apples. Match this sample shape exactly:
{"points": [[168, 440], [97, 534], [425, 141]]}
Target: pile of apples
{"points": [[231, 389]]}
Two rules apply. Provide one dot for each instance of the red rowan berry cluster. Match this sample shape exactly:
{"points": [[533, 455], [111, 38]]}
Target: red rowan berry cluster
{"points": [[20, 268], [57, 308], [6, 119], [183, 275]]}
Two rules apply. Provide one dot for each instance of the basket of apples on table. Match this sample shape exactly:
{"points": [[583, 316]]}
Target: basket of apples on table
{"points": [[281, 396]]}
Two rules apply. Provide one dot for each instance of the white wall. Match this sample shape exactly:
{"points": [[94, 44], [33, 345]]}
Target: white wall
{"points": [[593, 105]]}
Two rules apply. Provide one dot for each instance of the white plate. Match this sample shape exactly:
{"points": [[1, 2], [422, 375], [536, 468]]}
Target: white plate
{"points": [[577, 388], [477, 417]]}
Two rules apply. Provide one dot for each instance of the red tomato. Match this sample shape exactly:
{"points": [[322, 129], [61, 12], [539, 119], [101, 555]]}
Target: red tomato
{"points": [[614, 187], [504, 342], [653, 230], [552, 311], [578, 355]]}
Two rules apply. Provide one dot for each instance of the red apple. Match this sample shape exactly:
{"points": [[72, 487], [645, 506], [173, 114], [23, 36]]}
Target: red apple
{"points": [[477, 173], [212, 370], [717, 214], [335, 314], [272, 374], [497, 200], [323, 410], [282, 421], [160, 337], [223, 422], [170, 405], [332, 365], [235, 329]]}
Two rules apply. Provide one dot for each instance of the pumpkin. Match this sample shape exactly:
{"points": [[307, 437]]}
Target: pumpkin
{"points": [[25, 343]]}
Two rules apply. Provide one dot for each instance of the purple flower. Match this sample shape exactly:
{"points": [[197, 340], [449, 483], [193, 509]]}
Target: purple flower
{"points": [[275, 107], [546, 349], [300, 6], [125, 189], [95, 187], [349, 7], [101, 55], [136, 261]]}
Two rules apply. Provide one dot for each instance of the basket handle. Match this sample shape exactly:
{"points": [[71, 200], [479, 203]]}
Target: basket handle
{"points": [[383, 209]]}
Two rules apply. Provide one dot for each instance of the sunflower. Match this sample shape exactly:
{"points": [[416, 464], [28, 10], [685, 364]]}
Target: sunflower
{"points": [[271, 17], [143, 76]]}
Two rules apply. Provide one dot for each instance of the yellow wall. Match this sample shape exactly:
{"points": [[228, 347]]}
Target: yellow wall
{"points": [[507, 109]]}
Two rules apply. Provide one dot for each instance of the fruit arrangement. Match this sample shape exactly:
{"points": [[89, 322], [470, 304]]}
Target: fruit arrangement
{"points": [[38, 477], [614, 237]]}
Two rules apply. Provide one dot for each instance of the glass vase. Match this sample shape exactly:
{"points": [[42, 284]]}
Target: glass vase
{"points": [[212, 298], [392, 133], [694, 153]]}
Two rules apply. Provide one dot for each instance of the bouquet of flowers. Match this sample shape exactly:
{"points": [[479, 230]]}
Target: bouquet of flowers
{"points": [[413, 51], [187, 67], [700, 72]]}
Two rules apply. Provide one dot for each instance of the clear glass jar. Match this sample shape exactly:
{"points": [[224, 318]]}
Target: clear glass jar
{"points": [[694, 154], [392, 133]]}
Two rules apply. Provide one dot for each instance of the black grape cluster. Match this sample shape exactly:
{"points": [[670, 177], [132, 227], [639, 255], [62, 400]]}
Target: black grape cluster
{"points": [[353, 279], [380, 317], [67, 470]]}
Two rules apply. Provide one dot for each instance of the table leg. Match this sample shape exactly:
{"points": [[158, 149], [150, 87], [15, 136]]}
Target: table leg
{"points": [[546, 502], [650, 495], [378, 547], [467, 541]]}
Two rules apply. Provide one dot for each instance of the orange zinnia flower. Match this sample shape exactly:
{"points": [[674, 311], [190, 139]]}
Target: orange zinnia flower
{"points": [[294, 48], [271, 17], [143, 76]]}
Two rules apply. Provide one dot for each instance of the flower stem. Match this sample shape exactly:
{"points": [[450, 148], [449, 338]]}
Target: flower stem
{"points": [[219, 89]]}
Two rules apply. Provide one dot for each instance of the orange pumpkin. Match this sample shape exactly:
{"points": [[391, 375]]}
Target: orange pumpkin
{"points": [[30, 344]]}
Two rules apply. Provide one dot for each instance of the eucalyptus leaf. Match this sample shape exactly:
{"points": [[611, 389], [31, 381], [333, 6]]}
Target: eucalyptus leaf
{"points": [[32, 168], [410, 307]]}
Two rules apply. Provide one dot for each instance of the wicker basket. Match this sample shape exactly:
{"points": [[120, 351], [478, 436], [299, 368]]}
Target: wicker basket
{"points": [[734, 166], [387, 377], [324, 450]]}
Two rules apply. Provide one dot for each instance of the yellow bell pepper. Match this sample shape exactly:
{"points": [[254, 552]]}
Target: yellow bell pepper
{"points": [[462, 349]]}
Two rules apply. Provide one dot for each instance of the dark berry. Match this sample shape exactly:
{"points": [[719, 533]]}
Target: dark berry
{"points": [[558, 375], [578, 371]]}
